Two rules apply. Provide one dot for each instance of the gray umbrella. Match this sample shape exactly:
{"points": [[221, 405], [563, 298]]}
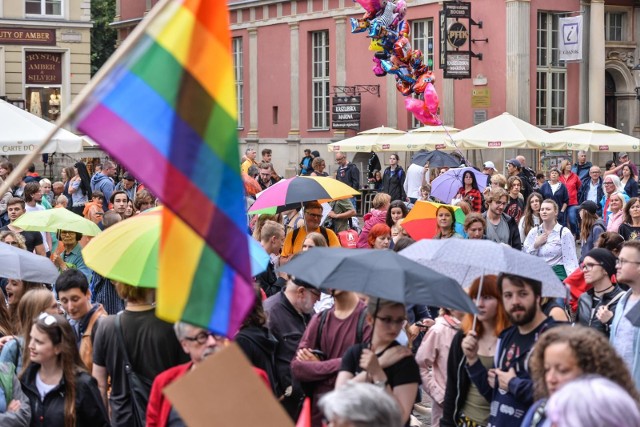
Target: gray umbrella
{"points": [[436, 159], [16, 263], [466, 260], [378, 273]]}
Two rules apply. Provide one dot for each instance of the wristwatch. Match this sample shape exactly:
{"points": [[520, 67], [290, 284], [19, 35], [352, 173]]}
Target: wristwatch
{"points": [[380, 383]]}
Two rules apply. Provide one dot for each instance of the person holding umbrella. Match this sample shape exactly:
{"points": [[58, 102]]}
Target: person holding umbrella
{"points": [[508, 385], [383, 361], [444, 217], [469, 191], [312, 218], [463, 404], [71, 257]]}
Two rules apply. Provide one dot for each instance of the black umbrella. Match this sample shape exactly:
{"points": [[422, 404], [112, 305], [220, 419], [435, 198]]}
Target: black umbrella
{"points": [[436, 159], [378, 273]]}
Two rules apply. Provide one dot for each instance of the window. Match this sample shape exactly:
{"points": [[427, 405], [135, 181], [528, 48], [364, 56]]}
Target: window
{"points": [[320, 79], [614, 24], [237, 73], [422, 39], [43, 7], [551, 74]]}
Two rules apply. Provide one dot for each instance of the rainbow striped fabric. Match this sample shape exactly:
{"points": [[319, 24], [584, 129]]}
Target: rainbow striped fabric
{"points": [[167, 112]]}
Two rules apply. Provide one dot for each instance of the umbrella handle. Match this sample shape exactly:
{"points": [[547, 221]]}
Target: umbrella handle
{"points": [[475, 316]]}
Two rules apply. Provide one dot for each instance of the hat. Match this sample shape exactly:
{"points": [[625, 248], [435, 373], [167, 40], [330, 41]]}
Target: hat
{"points": [[589, 206], [606, 258], [514, 162], [128, 177], [489, 165], [622, 154]]}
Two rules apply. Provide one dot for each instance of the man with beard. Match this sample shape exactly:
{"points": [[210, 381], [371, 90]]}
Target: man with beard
{"points": [[288, 313], [198, 343], [509, 387]]}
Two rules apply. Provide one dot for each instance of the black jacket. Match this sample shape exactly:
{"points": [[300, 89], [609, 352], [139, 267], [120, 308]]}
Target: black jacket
{"points": [[287, 326], [514, 233], [393, 183], [269, 281], [586, 314], [350, 175], [259, 346], [458, 383], [584, 191], [90, 410]]}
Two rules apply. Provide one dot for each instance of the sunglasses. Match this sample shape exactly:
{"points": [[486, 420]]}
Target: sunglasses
{"points": [[47, 319]]}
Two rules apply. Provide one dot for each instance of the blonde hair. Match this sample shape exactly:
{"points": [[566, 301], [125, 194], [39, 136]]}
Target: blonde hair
{"points": [[381, 200], [499, 179]]}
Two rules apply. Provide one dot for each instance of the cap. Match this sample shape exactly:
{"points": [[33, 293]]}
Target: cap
{"points": [[489, 165], [606, 259], [128, 177], [514, 162], [622, 154], [589, 206]]}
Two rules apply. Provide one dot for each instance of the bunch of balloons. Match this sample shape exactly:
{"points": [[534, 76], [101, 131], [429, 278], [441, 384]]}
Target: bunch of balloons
{"points": [[384, 23]]}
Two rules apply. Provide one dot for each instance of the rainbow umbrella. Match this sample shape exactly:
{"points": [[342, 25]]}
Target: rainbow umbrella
{"points": [[128, 251], [421, 221], [299, 189]]}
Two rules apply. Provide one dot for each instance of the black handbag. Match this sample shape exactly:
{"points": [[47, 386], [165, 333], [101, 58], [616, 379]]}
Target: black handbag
{"points": [[139, 387]]}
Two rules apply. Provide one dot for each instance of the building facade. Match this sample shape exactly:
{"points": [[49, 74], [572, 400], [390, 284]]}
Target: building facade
{"points": [[292, 56], [45, 53]]}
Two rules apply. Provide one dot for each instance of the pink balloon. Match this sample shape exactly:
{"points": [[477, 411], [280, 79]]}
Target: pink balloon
{"points": [[431, 100], [377, 69], [418, 108]]}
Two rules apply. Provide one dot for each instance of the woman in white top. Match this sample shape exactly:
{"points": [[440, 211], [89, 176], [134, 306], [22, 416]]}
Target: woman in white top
{"points": [[552, 241], [531, 216]]}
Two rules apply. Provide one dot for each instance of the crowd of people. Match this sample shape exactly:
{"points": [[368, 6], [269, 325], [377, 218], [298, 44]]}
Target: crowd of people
{"points": [[89, 351]]}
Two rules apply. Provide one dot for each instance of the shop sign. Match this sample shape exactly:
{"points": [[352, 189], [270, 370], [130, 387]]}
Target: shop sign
{"points": [[28, 36], [345, 112], [43, 68]]}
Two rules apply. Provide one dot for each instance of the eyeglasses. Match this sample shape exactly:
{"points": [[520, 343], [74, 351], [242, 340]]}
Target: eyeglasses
{"points": [[203, 337], [501, 203], [622, 261], [388, 321], [47, 319], [313, 292], [588, 266], [339, 159], [316, 216]]}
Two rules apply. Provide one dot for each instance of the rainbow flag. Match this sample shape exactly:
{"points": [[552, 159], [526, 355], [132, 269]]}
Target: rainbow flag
{"points": [[166, 110]]}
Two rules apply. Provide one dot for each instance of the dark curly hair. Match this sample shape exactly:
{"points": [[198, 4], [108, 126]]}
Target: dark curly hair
{"points": [[592, 351]]}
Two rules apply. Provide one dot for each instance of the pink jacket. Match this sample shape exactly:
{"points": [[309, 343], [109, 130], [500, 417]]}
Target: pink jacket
{"points": [[433, 354], [372, 218]]}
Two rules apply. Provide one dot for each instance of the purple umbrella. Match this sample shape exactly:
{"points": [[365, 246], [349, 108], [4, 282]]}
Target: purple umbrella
{"points": [[446, 186]]}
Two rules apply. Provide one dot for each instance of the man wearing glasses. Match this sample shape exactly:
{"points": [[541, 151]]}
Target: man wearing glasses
{"points": [[266, 175], [625, 336], [591, 188], [312, 218], [198, 343], [347, 173]]}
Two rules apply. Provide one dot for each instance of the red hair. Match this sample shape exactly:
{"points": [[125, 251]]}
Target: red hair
{"points": [[489, 288], [377, 231]]}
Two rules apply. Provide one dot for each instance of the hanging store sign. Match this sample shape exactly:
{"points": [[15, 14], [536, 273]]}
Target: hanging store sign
{"points": [[345, 112], [570, 42], [455, 40]]}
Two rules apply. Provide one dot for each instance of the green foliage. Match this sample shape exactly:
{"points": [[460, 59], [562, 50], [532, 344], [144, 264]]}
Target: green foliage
{"points": [[103, 37]]}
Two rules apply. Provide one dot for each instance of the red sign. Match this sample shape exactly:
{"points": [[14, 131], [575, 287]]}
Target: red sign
{"points": [[43, 68], [28, 36], [494, 144], [603, 148]]}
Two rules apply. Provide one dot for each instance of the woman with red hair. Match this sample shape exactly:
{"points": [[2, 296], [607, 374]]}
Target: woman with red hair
{"points": [[463, 404], [379, 237]]}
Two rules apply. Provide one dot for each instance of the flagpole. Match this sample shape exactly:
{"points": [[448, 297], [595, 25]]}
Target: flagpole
{"points": [[68, 113]]}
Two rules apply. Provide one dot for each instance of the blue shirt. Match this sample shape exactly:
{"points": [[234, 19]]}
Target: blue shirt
{"points": [[74, 260]]}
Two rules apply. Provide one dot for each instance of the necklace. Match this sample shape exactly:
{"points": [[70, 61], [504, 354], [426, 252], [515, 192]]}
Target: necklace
{"points": [[604, 290]]}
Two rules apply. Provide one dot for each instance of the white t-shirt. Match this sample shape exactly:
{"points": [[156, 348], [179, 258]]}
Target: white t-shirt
{"points": [[38, 207], [43, 389]]}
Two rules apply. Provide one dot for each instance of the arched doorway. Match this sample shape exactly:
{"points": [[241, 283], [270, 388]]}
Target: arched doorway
{"points": [[610, 108]]}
